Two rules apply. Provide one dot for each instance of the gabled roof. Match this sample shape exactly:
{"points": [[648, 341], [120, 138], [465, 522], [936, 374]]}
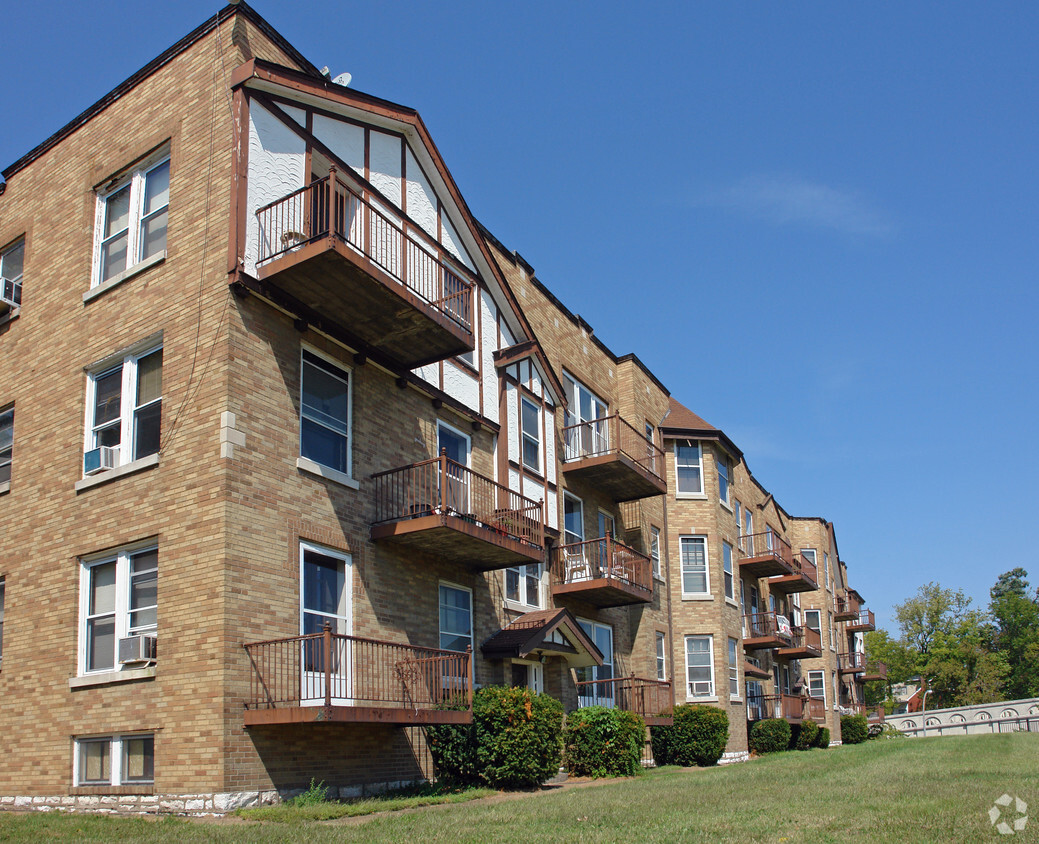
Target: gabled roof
{"points": [[157, 63], [680, 421], [528, 635], [531, 349]]}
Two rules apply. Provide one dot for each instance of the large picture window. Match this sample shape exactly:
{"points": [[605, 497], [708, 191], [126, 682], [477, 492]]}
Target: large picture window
{"points": [[325, 413], [131, 220]]}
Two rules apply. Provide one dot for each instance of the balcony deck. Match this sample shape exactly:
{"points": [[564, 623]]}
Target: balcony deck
{"points": [[603, 572], [331, 678], [804, 579], [612, 456], [366, 267], [445, 508], [851, 663], [763, 631], [766, 554], [845, 609], [650, 699], [793, 708], [864, 622], [877, 672], [805, 644]]}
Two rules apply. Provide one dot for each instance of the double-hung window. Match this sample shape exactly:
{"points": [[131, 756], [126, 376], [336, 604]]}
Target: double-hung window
{"points": [[118, 599], [124, 410], [115, 760], [456, 618], [694, 565], [730, 585], [6, 446], [11, 261], [688, 467], [826, 570], [817, 684], [654, 549], [734, 672], [531, 425], [523, 585], [661, 656], [131, 220], [325, 406], [724, 478], [813, 620], [699, 662]]}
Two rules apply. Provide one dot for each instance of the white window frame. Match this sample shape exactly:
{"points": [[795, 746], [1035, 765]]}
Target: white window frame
{"points": [[523, 573], [826, 571], [128, 410], [709, 694], [447, 584], [724, 470], [654, 550], [6, 451], [327, 364], [706, 593], [734, 669], [698, 465], [121, 558], [661, 640], [5, 268], [599, 673], [530, 437], [818, 621], [568, 535], [117, 760], [817, 679], [728, 574], [833, 638], [136, 179]]}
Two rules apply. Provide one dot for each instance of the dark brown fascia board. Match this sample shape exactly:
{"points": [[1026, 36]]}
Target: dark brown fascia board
{"points": [[713, 434], [155, 64], [320, 87], [857, 594], [532, 349]]}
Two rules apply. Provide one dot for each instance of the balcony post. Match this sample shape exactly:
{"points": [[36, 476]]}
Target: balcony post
{"points": [[443, 482], [330, 206], [469, 675], [327, 641]]}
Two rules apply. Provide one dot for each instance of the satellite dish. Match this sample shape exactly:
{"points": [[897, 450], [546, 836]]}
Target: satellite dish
{"points": [[343, 79]]}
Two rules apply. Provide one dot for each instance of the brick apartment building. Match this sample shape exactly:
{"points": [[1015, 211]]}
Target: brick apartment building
{"points": [[310, 452]]}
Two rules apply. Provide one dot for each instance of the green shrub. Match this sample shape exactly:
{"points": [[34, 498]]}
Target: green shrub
{"points": [[316, 792], [770, 735], [823, 738], [697, 736], [515, 740], [603, 742], [807, 736], [854, 729]]}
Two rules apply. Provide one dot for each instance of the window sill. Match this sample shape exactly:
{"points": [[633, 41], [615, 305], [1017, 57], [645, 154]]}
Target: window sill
{"points": [[691, 496], [118, 472], [312, 468], [516, 606], [726, 505], [732, 603], [691, 699], [105, 678], [86, 790], [698, 596], [658, 577], [10, 316], [5, 487], [115, 281]]}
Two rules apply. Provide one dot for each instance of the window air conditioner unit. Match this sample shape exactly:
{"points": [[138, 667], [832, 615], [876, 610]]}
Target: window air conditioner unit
{"points": [[702, 688], [139, 648], [10, 294], [99, 459]]}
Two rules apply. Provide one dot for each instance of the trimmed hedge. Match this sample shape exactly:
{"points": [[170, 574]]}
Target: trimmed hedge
{"points": [[807, 736], [823, 739], [854, 729], [601, 742], [515, 740], [697, 737], [770, 735]]}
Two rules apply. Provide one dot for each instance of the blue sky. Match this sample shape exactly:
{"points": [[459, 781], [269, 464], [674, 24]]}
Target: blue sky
{"points": [[815, 222]]}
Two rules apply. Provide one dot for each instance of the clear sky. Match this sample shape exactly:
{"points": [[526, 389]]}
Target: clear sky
{"points": [[815, 222]]}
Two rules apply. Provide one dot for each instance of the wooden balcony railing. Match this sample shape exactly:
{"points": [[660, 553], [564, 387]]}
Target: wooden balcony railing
{"points": [[443, 486], [612, 435], [331, 207], [602, 558], [649, 698], [815, 708], [329, 669], [865, 620], [851, 662], [792, 707], [767, 625], [766, 543], [803, 640], [845, 608]]}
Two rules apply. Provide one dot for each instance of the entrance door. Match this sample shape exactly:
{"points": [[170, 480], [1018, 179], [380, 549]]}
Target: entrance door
{"points": [[528, 674], [456, 445], [324, 598]]}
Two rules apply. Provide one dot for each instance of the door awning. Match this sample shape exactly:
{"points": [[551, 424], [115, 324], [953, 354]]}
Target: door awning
{"points": [[544, 633]]}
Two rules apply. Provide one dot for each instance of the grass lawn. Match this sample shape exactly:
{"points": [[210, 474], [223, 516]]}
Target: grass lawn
{"points": [[936, 789]]}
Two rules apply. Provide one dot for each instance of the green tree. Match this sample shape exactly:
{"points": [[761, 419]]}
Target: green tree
{"points": [[1015, 634], [933, 610], [960, 666], [901, 661]]}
